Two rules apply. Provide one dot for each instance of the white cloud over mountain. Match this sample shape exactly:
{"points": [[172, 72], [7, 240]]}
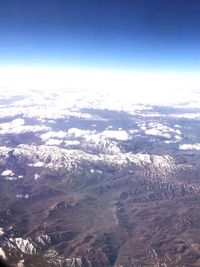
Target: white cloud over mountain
{"points": [[118, 135], [91, 138], [160, 129], [190, 146], [18, 126]]}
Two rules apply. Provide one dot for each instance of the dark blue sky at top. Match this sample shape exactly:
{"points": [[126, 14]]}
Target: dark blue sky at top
{"points": [[101, 33]]}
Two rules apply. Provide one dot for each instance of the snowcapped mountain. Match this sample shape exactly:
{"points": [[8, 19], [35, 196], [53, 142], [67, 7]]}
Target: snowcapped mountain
{"points": [[83, 186]]}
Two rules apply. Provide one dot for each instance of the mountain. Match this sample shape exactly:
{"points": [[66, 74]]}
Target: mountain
{"points": [[82, 187]]}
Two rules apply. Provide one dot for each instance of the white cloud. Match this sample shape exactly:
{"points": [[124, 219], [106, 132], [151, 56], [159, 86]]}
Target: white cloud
{"points": [[109, 127], [72, 142], [17, 122], [18, 126], [93, 138], [191, 115], [169, 142], [88, 137], [53, 142], [118, 135], [178, 137], [12, 124], [131, 91], [157, 132], [79, 133], [126, 84], [190, 146], [160, 129], [133, 131], [52, 134]]}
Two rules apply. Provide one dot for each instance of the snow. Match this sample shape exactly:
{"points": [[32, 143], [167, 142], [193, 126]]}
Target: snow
{"points": [[38, 164], [7, 173], [24, 245], [1, 231], [8, 178], [98, 171], [20, 263], [19, 196], [2, 254], [22, 196], [69, 159], [36, 176]]}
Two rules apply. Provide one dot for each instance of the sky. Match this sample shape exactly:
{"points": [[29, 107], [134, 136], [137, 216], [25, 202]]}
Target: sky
{"points": [[101, 34]]}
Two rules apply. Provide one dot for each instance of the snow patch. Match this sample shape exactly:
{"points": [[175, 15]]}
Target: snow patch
{"points": [[2, 254], [19, 196], [8, 178], [1, 231], [36, 176], [24, 245], [38, 164], [20, 263], [7, 173]]}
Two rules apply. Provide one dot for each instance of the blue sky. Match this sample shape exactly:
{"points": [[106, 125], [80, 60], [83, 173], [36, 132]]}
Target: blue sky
{"points": [[121, 34]]}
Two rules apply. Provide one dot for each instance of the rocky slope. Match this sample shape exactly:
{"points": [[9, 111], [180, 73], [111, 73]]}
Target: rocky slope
{"points": [[68, 207]]}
